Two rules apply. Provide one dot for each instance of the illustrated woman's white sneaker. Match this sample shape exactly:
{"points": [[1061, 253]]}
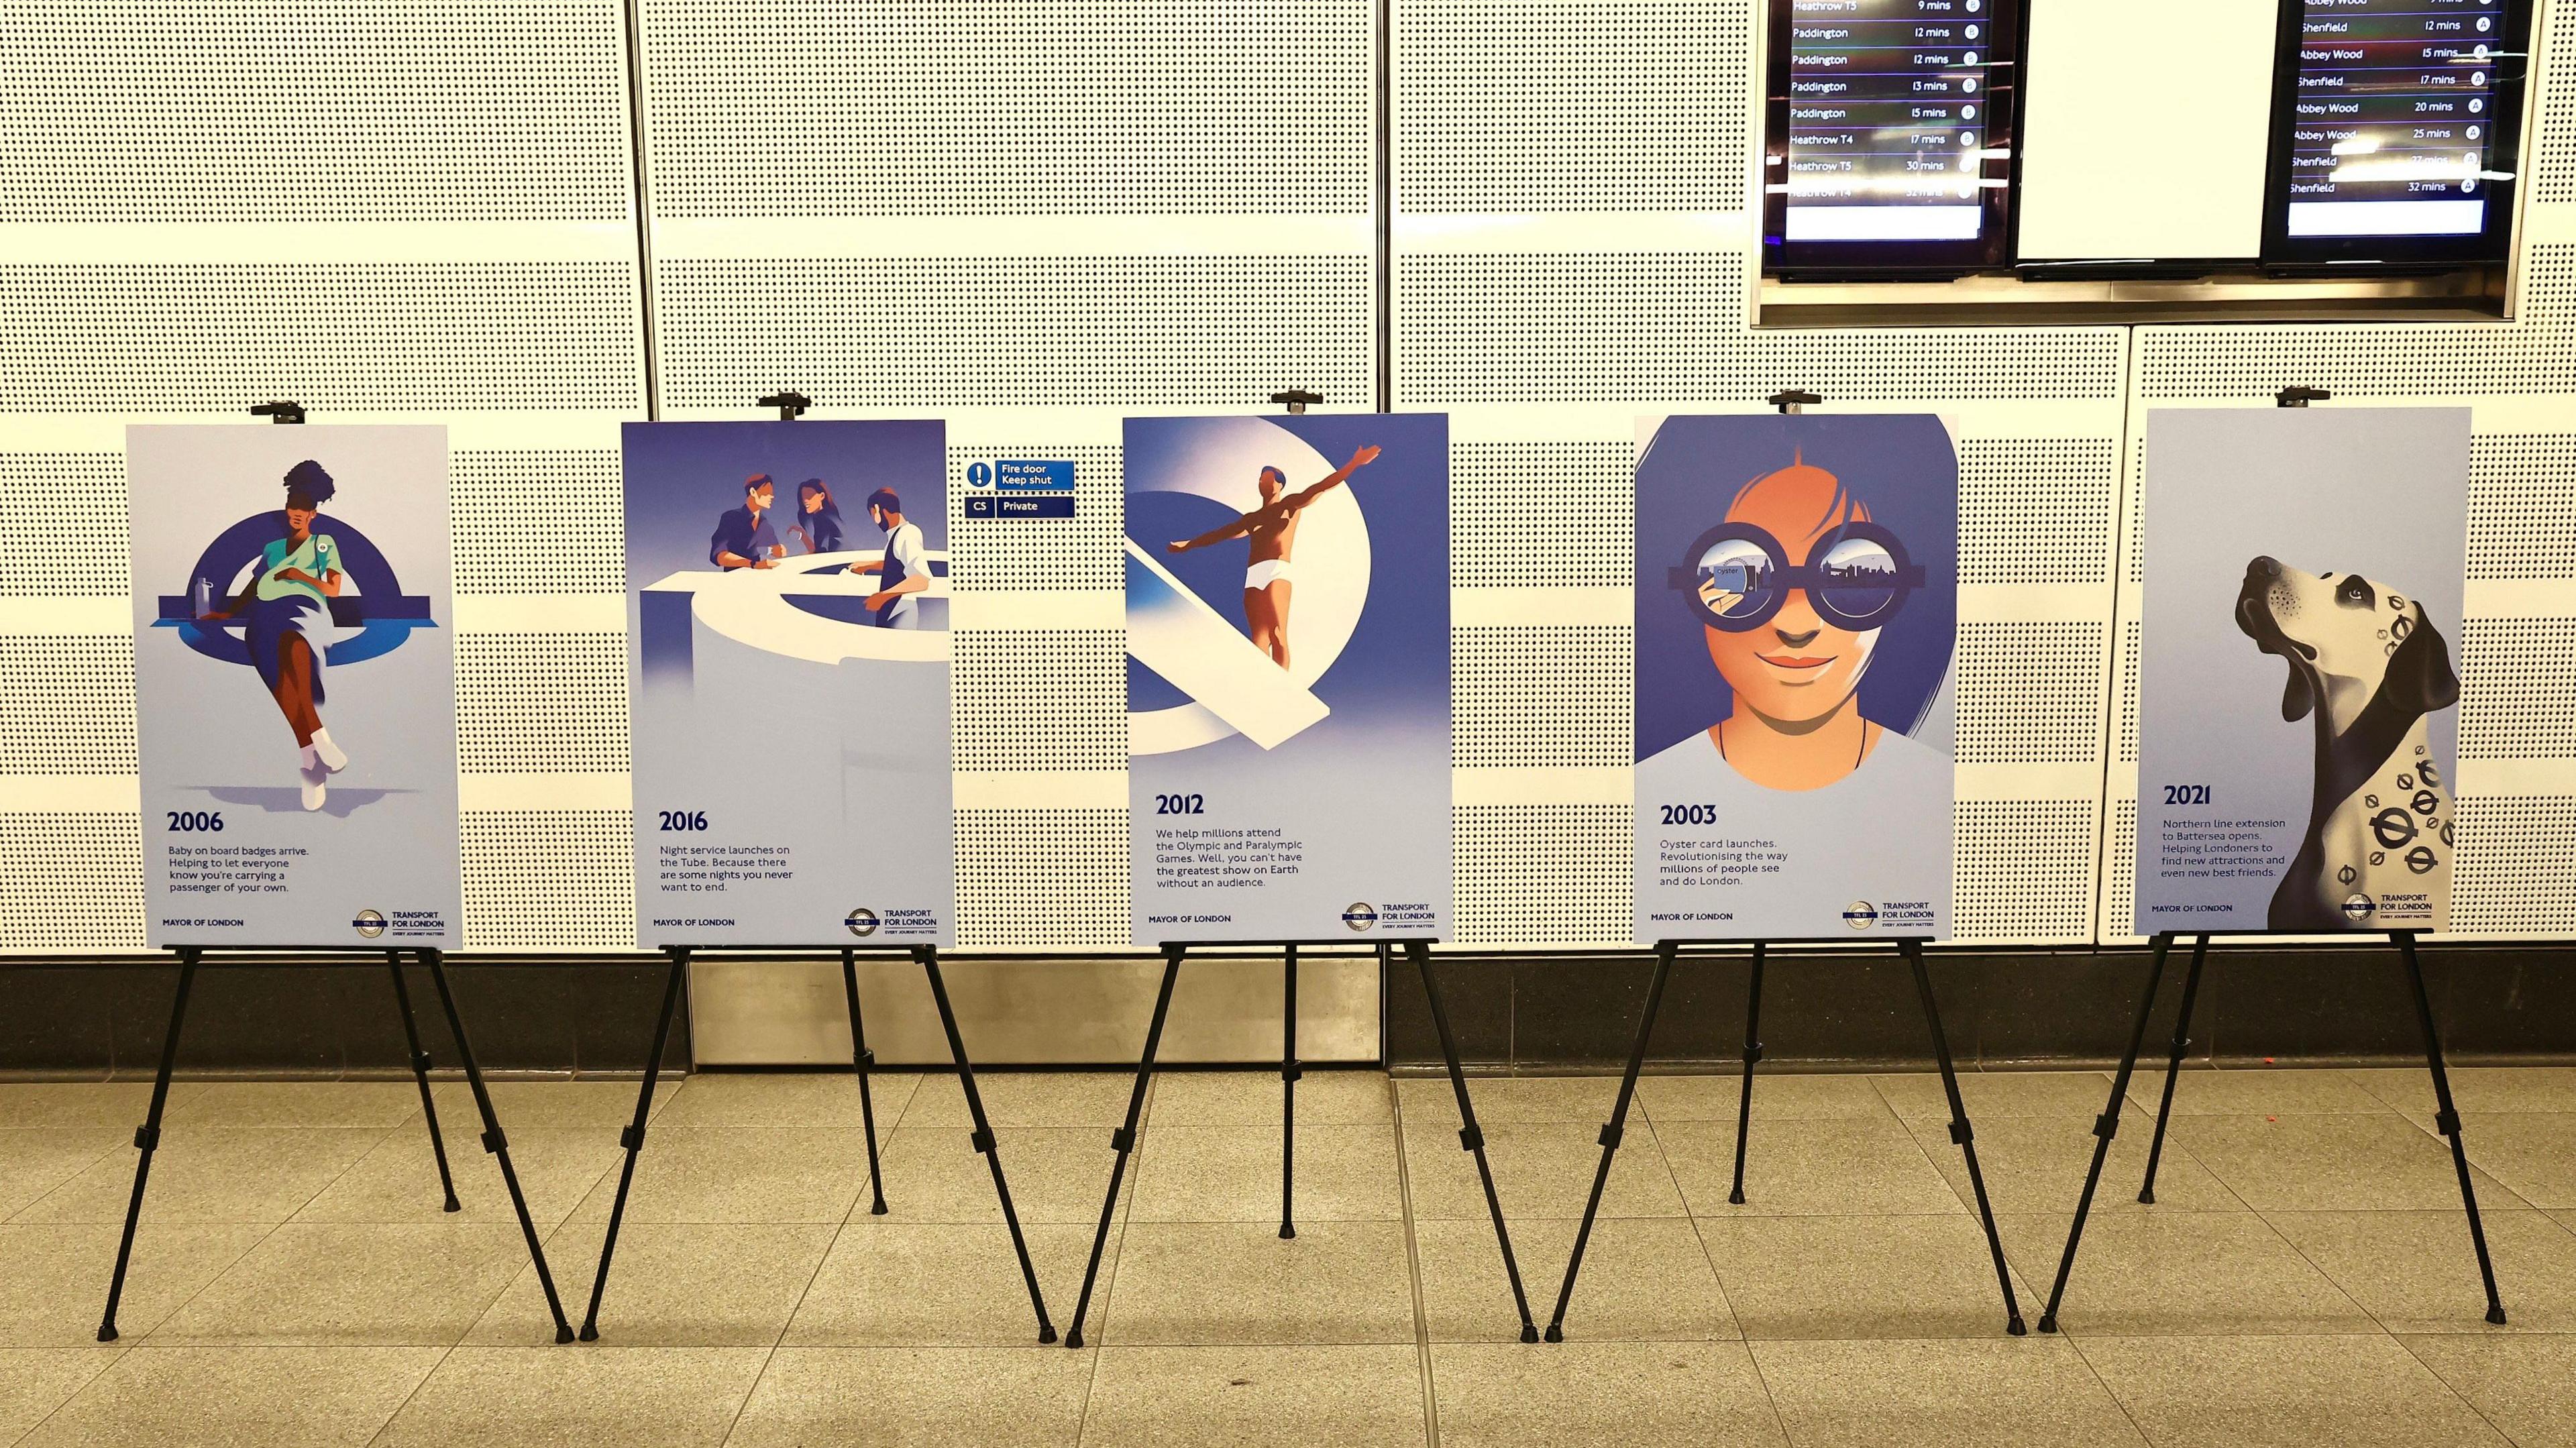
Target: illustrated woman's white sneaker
{"points": [[328, 752], [316, 782]]}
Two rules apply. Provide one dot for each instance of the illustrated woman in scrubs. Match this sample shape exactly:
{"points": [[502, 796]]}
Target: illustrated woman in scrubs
{"points": [[1793, 590], [286, 605]]}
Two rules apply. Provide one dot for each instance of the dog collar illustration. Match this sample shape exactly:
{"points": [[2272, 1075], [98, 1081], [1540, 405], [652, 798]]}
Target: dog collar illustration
{"points": [[1858, 576], [2370, 667]]}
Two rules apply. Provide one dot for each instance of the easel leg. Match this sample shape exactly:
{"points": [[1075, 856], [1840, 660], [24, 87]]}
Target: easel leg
{"points": [[420, 1073], [1752, 1053], [1963, 1134], [1123, 1140], [2106, 1126], [862, 1058], [632, 1138], [2446, 1119], [983, 1137], [1288, 1074], [1610, 1134], [147, 1139], [495, 1142], [1470, 1136], [2173, 1064]]}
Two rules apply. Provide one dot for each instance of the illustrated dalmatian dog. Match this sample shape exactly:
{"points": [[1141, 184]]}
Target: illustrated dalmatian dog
{"points": [[2369, 666]]}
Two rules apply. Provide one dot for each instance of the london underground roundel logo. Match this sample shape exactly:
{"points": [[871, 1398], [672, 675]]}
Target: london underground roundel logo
{"points": [[862, 922], [1860, 915], [1359, 915]]}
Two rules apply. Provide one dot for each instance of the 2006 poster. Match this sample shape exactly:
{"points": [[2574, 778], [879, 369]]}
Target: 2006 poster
{"points": [[1288, 677], [1796, 613], [295, 685], [2297, 699], [790, 659]]}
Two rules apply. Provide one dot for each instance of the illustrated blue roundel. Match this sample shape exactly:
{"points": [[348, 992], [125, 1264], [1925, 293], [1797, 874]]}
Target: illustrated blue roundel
{"points": [[382, 612]]}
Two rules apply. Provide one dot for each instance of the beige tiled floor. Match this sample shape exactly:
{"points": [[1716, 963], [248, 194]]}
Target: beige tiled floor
{"points": [[2303, 1277]]}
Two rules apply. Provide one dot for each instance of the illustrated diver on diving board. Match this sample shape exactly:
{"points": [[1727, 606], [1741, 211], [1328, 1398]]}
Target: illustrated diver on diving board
{"points": [[1272, 527]]}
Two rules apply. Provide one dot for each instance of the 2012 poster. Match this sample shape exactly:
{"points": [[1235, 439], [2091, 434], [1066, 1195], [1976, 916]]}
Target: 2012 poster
{"points": [[1288, 677], [790, 658], [2297, 695], [1796, 616], [295, 695]]}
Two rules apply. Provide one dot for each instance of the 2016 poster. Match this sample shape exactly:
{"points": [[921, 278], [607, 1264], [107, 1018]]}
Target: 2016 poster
{"points": [[1796, 608], [295, 697], [2297, 700], [1288, 677], [790, 662]]}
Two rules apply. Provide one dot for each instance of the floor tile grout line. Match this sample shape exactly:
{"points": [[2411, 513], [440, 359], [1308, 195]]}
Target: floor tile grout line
{"points": [[2492, 1425], [387, 1425], [104, 1368], [2076, 1345], [1413, 1268], [1091, 1389]]}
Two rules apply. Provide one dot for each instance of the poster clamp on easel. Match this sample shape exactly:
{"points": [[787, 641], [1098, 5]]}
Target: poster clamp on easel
{"points": [[147, 1137], [792, 405], [2446, 1117], [1669, 949]]}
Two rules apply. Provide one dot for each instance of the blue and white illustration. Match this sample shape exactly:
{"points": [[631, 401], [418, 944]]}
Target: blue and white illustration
{"points": [[790, 682], [294, 679], [2297, 701], [1288, 677], [1796, 612]]}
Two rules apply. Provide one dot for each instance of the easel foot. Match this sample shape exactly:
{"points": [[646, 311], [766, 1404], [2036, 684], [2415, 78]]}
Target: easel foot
{"points": [[2496, 1316], [1555, 1332], [2147, 1197], [1287, 1233], [107, 1330], [2015, 1327], [2048, 1322], [1736, 1197], [563, 1332], [879, 1209], [1046, 1333], [1529, 1332], [1072, 1339], [589, 1332], [453, 1205]]}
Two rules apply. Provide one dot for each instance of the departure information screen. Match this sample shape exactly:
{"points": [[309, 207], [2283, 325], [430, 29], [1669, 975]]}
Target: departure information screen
{"points": [[1890, 127], [2400, 117]]}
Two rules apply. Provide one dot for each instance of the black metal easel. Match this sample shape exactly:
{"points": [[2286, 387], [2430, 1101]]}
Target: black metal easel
{"points": [[2446, 1117], [861, 1059], [1666, 951], [1123, 1140], [147, 1138]]}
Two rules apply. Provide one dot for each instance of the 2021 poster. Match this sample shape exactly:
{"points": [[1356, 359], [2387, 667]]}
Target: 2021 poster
{"points": [[295, 686], [1796, 613], [790, 682], [2297, 699], [1288, 677]]}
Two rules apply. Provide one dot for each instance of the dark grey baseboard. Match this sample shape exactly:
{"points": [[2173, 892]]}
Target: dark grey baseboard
{"points": [[1534, 1012], [2001, 1009]]}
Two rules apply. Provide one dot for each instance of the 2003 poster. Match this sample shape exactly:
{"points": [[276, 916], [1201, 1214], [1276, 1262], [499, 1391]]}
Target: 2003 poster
{"points": [[295, 685], [1796, 614], [789, 615], [2297, 700], [1288, 677]]}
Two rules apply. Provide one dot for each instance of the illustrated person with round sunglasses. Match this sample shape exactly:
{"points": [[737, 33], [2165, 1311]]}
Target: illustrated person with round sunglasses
{"points": [[286, 607], [1794, 589]]}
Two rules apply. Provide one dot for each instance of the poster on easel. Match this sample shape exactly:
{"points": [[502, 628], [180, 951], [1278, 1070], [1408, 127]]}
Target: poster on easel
{"points": [[788, 633], [1288, 677], [1797, 611], [2297, 700], [295, 686]]}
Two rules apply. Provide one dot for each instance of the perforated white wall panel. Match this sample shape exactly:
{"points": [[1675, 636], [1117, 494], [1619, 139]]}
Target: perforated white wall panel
{"points": [[1579, 254], [387, 211]]}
